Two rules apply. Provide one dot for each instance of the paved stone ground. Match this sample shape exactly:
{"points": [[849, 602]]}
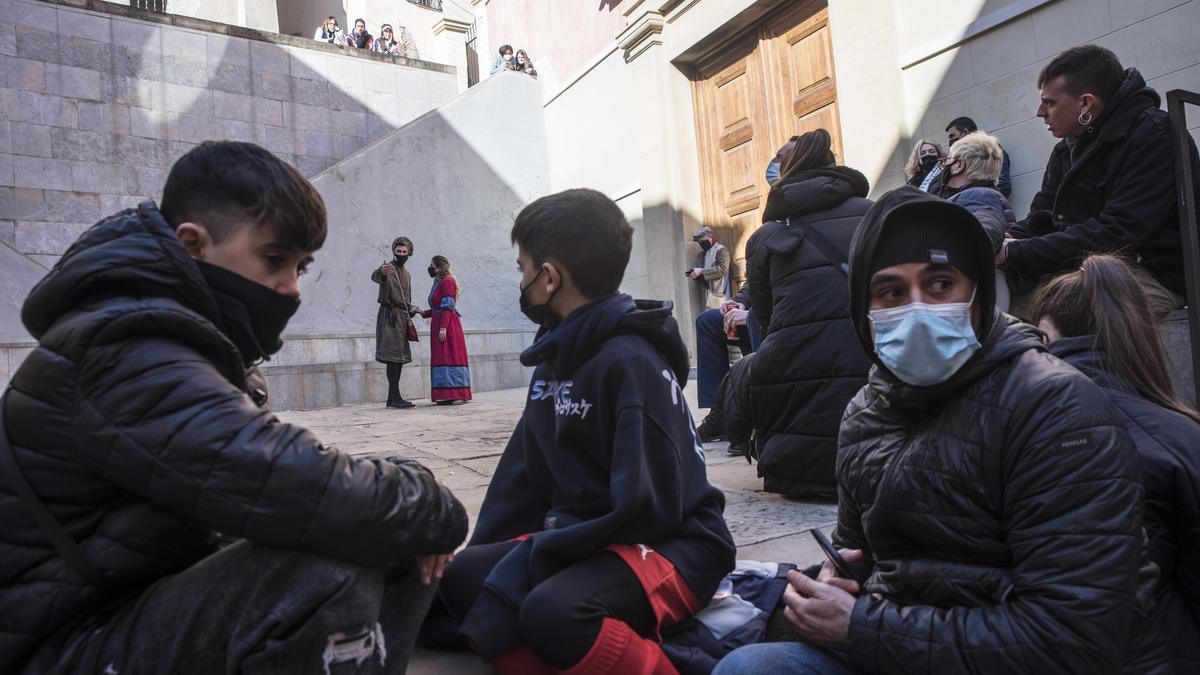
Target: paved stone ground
{"points": [[462, 444]]}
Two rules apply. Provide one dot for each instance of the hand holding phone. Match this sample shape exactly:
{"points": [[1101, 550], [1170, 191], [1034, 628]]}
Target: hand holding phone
{"points": [[839, 564]]}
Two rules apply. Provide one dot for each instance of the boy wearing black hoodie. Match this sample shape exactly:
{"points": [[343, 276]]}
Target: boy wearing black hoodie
{"points": [[600, 527]]}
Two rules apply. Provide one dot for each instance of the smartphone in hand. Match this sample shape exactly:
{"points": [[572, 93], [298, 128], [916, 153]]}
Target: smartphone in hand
{"points": [[839, 564]]}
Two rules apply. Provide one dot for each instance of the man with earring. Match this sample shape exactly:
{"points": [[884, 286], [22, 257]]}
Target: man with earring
{"points": [[1109, 186]]}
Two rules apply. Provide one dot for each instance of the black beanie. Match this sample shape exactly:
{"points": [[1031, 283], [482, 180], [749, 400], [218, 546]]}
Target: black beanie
{"points": [[921, 232]]}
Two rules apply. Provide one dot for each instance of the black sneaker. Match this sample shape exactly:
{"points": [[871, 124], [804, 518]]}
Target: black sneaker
{"points": [[711, 429], [739, 450], [402, 404]]}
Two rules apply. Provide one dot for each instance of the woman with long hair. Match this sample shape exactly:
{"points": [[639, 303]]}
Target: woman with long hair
{"points": [[1098, 319], [329, 32], [810, 363], [923, 158], [450, 378], [387, 43]]}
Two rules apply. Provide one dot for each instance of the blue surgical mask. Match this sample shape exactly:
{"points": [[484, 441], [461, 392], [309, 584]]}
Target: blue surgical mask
{"points": [[922, 344], [772, 173]]}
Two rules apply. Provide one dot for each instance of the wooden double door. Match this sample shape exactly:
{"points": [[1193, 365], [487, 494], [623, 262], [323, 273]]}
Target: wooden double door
{"points": [[775, 82]]}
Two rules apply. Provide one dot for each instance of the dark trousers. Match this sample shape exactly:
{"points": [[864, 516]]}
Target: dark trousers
{"points": [[252, 609], [561, 618], [712, 352]]}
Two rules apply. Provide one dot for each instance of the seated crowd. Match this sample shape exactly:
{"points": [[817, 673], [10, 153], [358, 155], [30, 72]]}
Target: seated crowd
{"points": [[387, 42], [518, 61], [1015, 493]]}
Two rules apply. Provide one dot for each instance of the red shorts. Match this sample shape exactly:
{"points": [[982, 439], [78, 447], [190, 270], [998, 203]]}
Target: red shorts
{"points": [[669, 595]]}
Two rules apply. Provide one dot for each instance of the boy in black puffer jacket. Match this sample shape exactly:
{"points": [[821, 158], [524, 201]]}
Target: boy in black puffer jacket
{"points": [[140, 436], [599, 528]]}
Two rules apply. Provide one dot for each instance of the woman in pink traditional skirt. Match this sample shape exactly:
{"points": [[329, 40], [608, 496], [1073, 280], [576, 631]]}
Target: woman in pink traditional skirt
{"points": [[450, 377]]}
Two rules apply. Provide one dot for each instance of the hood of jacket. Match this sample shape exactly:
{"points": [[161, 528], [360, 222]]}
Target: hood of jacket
{"points": [[862, 254], [1082, 353], [578, 338], [814, 190], [135, 253], [1132, 98]]}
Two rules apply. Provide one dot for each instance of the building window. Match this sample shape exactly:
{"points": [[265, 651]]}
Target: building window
{"points": [[431, 4], [151, 5]]}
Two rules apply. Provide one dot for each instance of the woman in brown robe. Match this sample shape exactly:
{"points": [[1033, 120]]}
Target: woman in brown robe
{"points": [[393, 324]]}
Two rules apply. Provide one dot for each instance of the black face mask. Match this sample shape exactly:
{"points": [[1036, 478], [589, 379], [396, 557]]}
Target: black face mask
{"points": [[539, 314], [928, 162], [254, 315], [399, 260], [432, 272], [705, 244]]}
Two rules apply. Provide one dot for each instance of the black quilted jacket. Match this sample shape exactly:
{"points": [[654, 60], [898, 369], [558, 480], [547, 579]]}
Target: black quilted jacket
{"points": [[132, 422], [809, 364], [1002, 511]]}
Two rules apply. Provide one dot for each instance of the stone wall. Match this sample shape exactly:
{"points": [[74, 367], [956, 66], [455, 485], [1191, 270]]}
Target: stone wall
{"points": [[93, 121]]}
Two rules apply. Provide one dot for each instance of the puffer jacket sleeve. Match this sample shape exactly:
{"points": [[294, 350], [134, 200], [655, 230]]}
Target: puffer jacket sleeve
{"points": [[155, 417], [758, 276], [1071, 498]]}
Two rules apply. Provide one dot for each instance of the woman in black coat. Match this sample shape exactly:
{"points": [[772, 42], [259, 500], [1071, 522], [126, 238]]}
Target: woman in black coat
{"points": [[1098, 320], [809, 365]]}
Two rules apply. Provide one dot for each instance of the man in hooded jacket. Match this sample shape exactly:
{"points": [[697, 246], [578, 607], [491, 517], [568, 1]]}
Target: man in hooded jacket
{"points": [[989, 504]]}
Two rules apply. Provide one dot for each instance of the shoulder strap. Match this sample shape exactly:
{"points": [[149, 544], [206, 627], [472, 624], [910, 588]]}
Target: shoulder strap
{"points": [[56, 533], [827, 249]]}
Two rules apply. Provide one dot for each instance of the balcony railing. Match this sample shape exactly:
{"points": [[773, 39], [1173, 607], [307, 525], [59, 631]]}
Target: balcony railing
{"points": [[431, 4], [151, 5]]}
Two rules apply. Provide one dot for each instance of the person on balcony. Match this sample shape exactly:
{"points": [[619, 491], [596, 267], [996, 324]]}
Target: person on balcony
{"points": [[359, 38], [330, 32], [387, 43]]}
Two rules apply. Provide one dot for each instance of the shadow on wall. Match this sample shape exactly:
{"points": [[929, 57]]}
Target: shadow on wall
{"points": [[993, 78]]}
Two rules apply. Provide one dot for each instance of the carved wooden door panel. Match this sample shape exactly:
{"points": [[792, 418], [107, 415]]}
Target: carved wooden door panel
{"points": [[774, 83]]}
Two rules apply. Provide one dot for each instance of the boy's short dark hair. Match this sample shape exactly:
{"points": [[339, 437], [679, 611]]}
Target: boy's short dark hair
{"points": [[505, 49], [1086, 69], [963, 124], [222, 184], [582, 230]]}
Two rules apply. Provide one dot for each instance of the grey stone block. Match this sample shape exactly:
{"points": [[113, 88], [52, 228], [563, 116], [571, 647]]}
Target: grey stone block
{"points": [[10, 104], [312, 92], [269, 58], [8, 232], [85, 53], [94, 26], [226, 50], [154, 124], [134, 151], [185, 43], [110, 204], [108, 117], [197, 128], [1069, 22], [37, 44], [310, 165], [181, 98], [6, 169], [103, 177], [8, 39], [230, 77], [279, 139], [54, 111], [129, 62], [140, 93], [268, 112], [46, 238], [44, 173], [25, 74], [315, 143], [238, 131], [71, 207], [351, 383], [137, 35], [22, 203], [5, 136], [342, 99], [45, 260], [150, 180], [233, 106], [320, 389], [183, 70], [351, 123], [30, 139], [87, 146], [74, 82], [272, 85]]}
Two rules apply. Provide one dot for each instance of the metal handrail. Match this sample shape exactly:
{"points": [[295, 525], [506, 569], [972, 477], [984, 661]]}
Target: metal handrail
{"points": [[1186, 202]]}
